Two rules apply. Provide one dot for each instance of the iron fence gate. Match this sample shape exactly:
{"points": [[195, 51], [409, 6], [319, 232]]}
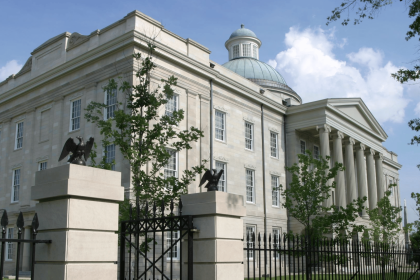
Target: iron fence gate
{"points": [[297, 258], [151, 242]]}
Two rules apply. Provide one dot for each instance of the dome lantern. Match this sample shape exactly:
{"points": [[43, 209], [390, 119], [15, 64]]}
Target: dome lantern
{"points": [[243, 43]]}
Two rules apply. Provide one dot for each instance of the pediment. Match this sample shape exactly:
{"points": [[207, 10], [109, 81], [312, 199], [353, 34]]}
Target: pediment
{"points": [[357, 111]]}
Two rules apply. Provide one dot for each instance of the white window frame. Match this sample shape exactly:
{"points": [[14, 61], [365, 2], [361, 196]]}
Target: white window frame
{"points": [[172, 105], [276, 147], [167, 168], [304, 144], [250, 229], [74, 118], [221, 130], [16, 174], [275, 191], [107, 153], [110, 96], [19, 135], [316, 155], [247, 50], [9, 245], [249, 136], [40, 165], [250, 187], [254, 51], [176, 248], [222, 185], [276, 231], [235, 51]]}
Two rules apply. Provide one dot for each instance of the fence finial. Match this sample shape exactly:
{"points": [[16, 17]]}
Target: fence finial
{"points": [[20, 222], [35, 223]]}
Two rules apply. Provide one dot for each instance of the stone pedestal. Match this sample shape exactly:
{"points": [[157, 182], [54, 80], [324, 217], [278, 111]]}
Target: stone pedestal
{"points": [[78, 211], [218, 246]]}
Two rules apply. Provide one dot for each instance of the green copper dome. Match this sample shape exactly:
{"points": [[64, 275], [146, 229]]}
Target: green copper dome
{"points": [[243, 32]]}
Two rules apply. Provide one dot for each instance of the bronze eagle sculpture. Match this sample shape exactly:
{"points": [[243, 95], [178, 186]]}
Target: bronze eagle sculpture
{"points": [[213, 179], [78, 151]]}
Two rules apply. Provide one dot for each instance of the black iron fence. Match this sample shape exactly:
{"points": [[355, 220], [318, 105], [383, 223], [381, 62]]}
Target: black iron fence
{"points": [[298, 258], [151, 244], [7, 242]]}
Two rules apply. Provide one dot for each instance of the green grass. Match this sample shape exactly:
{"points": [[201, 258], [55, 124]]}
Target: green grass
{"points": [[378, 276]]}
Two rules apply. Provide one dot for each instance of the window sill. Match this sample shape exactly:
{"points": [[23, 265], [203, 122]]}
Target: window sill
{"points": [[19, 149], [220, 141], [72, 131], [251, 203], [248, 150], [14, 202], [43, 141], [276, 158]]}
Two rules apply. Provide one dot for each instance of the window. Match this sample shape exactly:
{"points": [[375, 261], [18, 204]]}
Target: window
{"points": [[235, 51], [276, 241], [75, 114], [246, 49], [171, 106], [250, 186], [249, 136], [111, 103], [222, 182], [171, 168], [110, 155], [254, 51], [19, 136], [42, 165], [392, 188], [172, 241], [250, 231], [316, 152], [9, 249], [302, 147], [15, 185], [220, 125], [274, 144], [275, 190]]}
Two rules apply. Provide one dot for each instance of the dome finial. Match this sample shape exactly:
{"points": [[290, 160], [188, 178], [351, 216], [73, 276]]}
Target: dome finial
{"points": [[242, 25]]}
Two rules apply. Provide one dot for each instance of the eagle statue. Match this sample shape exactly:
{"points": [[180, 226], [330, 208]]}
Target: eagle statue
{"points": [[213, 179], [78, 151]]}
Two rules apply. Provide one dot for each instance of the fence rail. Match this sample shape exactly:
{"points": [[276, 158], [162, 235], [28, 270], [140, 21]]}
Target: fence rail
{"points": [[298, 258]]}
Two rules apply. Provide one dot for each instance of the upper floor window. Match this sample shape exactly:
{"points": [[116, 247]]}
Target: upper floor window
{"points": [[274, 144], [171, 106], [15, 185], [392, 188], [250, 188], [76, 108], [220, 125], [42, 165], [275, 190], [171, 168], [236, 51], [254, 51], [9, 249], [246, 50], [302, 147], [223, 179], [111, 103], [249, 136], [110, 155], [19, 135], [316, 152]]}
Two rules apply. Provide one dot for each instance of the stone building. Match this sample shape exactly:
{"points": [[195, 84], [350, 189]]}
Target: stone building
{"points": [[260, 124]]}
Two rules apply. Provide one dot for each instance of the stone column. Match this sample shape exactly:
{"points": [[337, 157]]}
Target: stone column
{"points": [[218, 246], [379, 175], [371, 178], [361, 175], [26, 258], [350, 174], [324, 139], [340, 189], [78, 211]]}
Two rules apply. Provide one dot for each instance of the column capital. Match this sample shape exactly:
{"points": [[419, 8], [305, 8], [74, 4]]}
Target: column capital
{"points": [[338, 134], [349, 141], [360, 146], [323, 128], [379, 156], [369, 151]]}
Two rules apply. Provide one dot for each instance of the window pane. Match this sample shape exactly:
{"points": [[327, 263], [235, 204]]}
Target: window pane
{"points": [[236, 51], [220, 125], [249, 135], [275, 190], [170, 169], [273, 144], [222, 182], [171, 243], [276, 241], [302, 147], [111, 103], [9, 244], [250, 234], [16, 185], [249, 185], [316, 152], [246, 49], [19, 135], [254, 51], [110, 155], [171, 106], [75, 114], [42, 165]]}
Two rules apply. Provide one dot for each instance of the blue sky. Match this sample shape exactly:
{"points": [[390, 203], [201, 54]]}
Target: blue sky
{"points": [[318, 61]]}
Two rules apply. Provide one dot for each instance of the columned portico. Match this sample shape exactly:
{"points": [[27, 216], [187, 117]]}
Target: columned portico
{"points": [[340, 190], [324, 139], [350, 175], [361, 175], [371, 178], [379, 176]]}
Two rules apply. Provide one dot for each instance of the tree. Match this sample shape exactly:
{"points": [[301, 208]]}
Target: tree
{"points": [[144, 136], [309, 187], [370, 9]]}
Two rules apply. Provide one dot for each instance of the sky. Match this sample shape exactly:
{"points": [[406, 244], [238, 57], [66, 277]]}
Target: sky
{"points": [[316, 60]]}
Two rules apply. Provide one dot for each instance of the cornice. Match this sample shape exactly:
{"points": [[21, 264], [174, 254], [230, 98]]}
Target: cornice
{"points": [[392, 163], [51, 41], [197, 45]]}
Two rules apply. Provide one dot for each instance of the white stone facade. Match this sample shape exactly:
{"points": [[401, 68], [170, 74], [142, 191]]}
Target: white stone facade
{"points": [[72, 67]]}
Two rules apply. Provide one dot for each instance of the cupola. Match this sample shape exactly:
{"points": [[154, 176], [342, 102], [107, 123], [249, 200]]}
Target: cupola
{"points": [[243, 43]]}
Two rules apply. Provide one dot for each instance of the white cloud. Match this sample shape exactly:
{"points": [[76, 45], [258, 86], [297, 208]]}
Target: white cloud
{"points": [[311, 69], [11, 67]]}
